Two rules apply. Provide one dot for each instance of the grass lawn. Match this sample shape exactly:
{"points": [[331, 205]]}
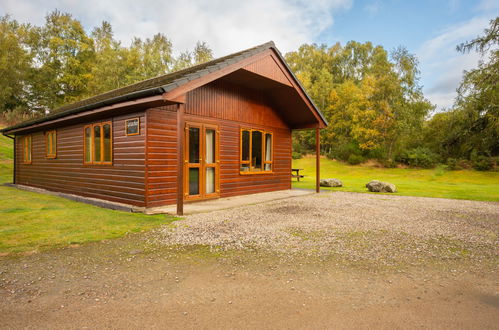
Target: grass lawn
{"points": [[31, 221], [466, 184]]}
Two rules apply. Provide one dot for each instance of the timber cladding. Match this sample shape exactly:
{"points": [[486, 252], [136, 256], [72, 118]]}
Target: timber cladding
{"points": [[230, 107], [145, 166], [207, 105], [123, 181]]}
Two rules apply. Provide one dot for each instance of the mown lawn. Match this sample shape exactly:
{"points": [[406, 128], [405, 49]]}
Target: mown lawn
{"points": [[31, 221], [466, 184]]}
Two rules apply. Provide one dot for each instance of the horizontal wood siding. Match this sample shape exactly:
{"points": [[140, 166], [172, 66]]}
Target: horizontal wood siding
{"points": [[233, 183], [231, 107], [123, 181], [162, 156]]}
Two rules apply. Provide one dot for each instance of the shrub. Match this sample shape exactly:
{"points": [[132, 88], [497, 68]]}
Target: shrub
{"points": [[343, 151], [355, 159], [389, 163], [464, 164], [296, 155], [453, 164], [418, 157], [482, 163]]}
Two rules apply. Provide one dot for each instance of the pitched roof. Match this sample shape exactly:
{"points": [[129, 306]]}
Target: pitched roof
{"points": [[153, 86]]}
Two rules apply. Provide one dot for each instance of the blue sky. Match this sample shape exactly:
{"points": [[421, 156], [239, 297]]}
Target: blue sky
{"points": [[431, 29]]}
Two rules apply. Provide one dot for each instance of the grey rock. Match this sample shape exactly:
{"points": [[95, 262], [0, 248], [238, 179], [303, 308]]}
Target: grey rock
{"points": [[331, 183], [378, 186]]}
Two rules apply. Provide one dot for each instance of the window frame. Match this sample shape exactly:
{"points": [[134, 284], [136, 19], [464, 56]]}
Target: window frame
{"points": [[27, 150], [138, 127], [92, 144], [52, 155], [264, 142]]}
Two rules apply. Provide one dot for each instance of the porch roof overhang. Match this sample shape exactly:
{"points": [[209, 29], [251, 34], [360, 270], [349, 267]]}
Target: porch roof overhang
{"points": [[291, 106]]}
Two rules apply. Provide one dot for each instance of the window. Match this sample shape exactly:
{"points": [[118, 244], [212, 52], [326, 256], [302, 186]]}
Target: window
{"points": [[98, 143], [256, 151], [27, 149], [51, 144]]}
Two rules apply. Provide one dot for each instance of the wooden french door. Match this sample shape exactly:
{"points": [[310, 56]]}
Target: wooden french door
{"points": [[201, 160]]}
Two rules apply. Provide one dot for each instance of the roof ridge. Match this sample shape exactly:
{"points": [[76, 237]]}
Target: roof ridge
{"points": [[147, 87], [204, 64]]}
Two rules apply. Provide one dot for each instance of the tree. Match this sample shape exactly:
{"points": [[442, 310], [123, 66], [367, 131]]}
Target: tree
{"points": [[15, 65], [373, 101], [64, 55]]}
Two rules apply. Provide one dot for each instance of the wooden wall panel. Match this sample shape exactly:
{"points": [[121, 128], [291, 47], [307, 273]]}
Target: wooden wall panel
{"points": [[162, 156], [223, 100], [231, 107], [269, 68], [233, 183], [123, 181]]}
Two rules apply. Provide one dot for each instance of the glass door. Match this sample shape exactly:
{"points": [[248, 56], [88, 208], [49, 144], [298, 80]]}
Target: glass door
{"points": [[201, 161]]}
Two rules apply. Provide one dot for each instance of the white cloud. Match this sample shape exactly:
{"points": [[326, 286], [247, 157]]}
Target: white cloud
{"points": [[226, 25], [488, 5], [372, 8], [442, 66]]}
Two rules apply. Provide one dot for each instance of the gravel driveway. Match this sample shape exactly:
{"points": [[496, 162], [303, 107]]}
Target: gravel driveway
{"points": [[381, 228]]}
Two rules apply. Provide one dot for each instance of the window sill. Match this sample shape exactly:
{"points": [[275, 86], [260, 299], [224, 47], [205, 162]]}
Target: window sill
{"points": [[253, 173], [98, 164]]}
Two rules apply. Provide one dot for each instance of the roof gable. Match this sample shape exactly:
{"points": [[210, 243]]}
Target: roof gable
{"points": [[176, 84]]}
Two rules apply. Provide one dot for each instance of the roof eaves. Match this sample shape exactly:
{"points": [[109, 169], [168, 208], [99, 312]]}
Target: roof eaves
{"points": [[184, 78]]}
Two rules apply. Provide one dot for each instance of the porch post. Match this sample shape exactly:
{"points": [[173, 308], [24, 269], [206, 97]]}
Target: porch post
{"points": [[180, 155], [317, 159]]}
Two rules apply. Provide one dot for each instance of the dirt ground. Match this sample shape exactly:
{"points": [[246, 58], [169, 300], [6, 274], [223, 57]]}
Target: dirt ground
{"points": [[146, 281]]}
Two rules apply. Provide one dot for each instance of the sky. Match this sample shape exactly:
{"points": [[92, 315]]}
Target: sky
{"points": [[430, 29]]}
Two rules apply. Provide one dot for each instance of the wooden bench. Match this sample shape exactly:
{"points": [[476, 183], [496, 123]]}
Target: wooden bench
{"points": [[295, 173]]}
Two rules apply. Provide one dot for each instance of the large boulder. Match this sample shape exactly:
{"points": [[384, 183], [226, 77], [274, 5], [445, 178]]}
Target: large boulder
{"points": [[331, 183], [378, 186]]}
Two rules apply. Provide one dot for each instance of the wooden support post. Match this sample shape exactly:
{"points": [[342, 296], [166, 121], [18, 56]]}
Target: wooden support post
{"points": [[317, 160], [180, 155]]}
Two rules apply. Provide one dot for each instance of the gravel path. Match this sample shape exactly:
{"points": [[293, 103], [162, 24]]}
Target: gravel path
{"points": [[381, 228]]}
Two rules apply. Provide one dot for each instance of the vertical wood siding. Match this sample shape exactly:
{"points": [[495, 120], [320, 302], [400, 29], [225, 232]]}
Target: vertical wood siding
{"points": [[269, 68], [123, 181], [231, 107]]}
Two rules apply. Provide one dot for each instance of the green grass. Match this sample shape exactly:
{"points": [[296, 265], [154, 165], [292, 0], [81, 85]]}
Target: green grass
{"points": [[32, 221], [466, 184]]}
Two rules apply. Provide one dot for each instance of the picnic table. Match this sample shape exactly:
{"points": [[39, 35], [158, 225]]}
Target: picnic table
{"points": [[295, 173]]}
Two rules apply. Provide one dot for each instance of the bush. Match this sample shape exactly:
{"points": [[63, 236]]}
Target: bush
{"points": [[453, 164], [482, 163], [296, 155], [389, 163], [355, 159], [418, 157], [343, 151]]}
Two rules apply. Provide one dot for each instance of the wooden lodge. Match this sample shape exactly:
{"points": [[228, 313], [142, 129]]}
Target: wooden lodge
{"points": [[218, 129]]}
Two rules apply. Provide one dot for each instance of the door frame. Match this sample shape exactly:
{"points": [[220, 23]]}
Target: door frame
{"points": [[202, 165]]}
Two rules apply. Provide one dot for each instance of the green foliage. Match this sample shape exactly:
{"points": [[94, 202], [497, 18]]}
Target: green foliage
{"points": [[296, 155], [355, 159], [453, 164], [371, 98], [44, 67], [482, 163], [471, 127], [418, 157], [344, 149]]}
